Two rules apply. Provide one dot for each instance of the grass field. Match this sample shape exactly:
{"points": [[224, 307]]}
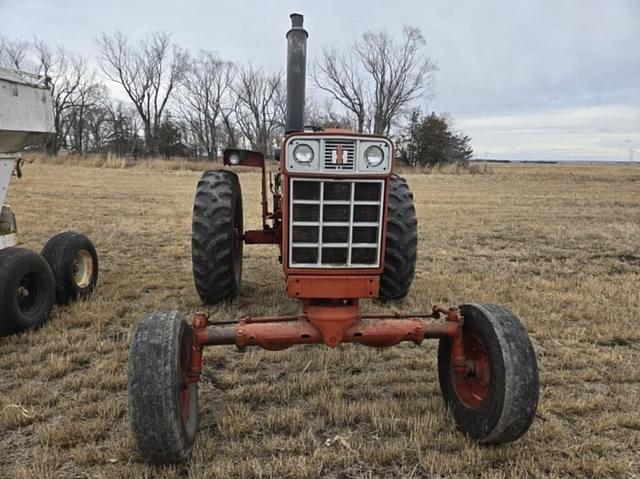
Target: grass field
{"points": [[559, 245]]}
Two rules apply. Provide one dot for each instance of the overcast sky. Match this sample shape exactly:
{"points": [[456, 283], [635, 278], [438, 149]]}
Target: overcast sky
{"points": [[550, 79]]}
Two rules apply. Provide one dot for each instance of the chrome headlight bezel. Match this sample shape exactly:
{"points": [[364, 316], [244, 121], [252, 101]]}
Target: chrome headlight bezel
{"points": [[297, 154], [368, 156], [294, 165], [366, 166]]}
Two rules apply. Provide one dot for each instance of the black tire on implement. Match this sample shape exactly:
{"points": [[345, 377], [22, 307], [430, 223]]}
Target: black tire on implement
{"points": [[163, 406], [499, 405], [74, 262], [26, 290], [216, 241], [402, 241]]}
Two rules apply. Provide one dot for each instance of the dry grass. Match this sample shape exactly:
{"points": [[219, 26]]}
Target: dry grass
{"points": [[560, 245], [120, 162], [186, 164]]}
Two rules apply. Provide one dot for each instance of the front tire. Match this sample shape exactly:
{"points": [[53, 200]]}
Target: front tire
{"points": [[401, 248], [26, 290], [163, 405], [74, 262], [216, 241], [496, 403]]}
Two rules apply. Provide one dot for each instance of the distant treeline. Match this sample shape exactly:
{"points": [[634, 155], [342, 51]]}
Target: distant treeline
{"points": [[185, 104]]}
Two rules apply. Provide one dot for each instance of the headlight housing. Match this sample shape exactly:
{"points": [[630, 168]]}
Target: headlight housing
{"points": [[303, 154], [335, 154], [373, 156]]}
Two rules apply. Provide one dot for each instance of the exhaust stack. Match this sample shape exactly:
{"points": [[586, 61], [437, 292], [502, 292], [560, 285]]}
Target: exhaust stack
{"points": [[296, 73]]}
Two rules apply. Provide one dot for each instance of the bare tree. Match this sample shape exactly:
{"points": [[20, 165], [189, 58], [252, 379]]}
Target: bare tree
{"points": [[325, 115], [204, 90], [148, 72], [67, 75], [122, 132], [86, 103], [399, 72], [377, 78], [230, 135], [260, 106], [98, 125], [340, 75], [13, 53]]}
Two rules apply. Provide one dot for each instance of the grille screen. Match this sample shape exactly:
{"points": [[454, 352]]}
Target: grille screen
{"points": [[339, 155], [335, 224]]}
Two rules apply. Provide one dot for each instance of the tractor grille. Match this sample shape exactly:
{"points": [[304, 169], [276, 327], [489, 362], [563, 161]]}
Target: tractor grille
{"points": [[339, 155], [335, 224]]}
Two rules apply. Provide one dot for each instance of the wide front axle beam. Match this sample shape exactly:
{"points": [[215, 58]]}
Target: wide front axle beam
{"points": [[275, 336], [329, 325]]}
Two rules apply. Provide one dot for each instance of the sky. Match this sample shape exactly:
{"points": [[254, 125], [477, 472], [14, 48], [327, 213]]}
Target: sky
{"points": [[526, 80]]}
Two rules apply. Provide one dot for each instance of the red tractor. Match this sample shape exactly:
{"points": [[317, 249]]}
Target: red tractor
{"points": [[347, 230]]}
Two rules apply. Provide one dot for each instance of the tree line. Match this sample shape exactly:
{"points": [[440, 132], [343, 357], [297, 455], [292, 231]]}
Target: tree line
{"points": [[173, 102]]}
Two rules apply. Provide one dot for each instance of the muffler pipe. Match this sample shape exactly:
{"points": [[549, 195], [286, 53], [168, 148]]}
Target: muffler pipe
{"points": [[296, 73]]}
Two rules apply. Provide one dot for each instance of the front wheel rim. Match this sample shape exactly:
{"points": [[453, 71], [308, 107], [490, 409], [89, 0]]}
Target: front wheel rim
{"points": [[238, 241], [185, 385], [471, 385], [83, 269], [27, 292]]}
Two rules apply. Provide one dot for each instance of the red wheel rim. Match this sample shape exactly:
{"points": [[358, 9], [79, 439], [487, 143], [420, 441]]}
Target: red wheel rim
{"points": [[238, 242], [472, 385], [185, 402], [185, 363], [237, 254]]}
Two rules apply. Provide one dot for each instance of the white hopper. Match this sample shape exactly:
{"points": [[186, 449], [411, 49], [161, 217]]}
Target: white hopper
{"points": [[26, 111]]}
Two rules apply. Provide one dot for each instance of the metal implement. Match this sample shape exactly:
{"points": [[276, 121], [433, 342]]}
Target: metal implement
{"points": [[67, 269], [26, 110], [7, 164], [26, 117]]}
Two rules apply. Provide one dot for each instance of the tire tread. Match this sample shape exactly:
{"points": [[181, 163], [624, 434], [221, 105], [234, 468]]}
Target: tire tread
{"points": [[212, 236], [153, 408], [401, 249]]}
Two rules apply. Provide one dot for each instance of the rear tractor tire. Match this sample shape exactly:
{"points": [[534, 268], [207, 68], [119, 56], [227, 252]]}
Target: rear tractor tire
{"points": [[402, 242], [163, 405], [27, 290], [216, 241], [496, 401], [74, 262]]}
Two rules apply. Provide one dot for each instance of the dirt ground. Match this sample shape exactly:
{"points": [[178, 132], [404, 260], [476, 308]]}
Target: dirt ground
{"points": [[558, 245]]}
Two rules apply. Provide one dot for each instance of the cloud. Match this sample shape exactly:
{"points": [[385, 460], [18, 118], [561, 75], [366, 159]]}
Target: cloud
{"points": [[551, 66], [609, 132]]}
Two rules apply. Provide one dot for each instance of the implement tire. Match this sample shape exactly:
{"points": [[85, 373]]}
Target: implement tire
{"points": [[27, 290], [74, 263]]}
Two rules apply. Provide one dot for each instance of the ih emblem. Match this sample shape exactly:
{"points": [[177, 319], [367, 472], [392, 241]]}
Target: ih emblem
{"points": [[337, 156]]}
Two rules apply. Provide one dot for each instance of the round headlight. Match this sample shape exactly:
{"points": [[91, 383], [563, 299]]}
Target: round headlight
{"points": [[303, 154], [373, 156], [234, 159]]}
